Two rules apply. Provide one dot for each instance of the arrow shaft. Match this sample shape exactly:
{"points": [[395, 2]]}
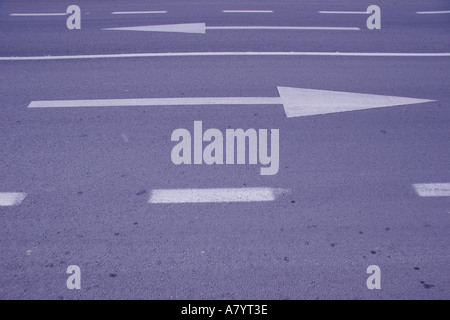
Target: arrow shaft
{"points": [[154, 102], [281, 28]]}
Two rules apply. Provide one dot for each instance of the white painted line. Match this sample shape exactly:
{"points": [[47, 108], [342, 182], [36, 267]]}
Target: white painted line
{"points": [[433, 12], [223, 54], [176, 196], [343, 12], [36, 14], [152, 102], [139, 12], [9, 199], [247, 11], [283, 28], [432, 189]]}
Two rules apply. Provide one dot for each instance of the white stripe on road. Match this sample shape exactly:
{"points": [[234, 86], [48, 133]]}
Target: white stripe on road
{"points": [[9, 199], [176, 196], [139, 12], [247, 11], [36, 14], [223, 54], [283, 28], [343, 12], [153, 102], [432, 189], [433, 12]]}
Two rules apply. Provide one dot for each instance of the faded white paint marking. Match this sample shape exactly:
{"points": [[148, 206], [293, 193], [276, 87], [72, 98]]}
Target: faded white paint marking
{"points": [[9, 199], [176, 196], [125, 138], [432, 189]]}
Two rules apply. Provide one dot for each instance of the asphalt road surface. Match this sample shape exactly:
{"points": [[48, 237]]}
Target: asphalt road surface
{"points": [[359, 188]]}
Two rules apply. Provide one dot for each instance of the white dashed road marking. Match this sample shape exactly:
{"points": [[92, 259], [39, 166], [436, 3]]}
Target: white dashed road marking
{"points": [[343, 12], [432, 189], [434, 12], [177, 196], [139, 12], [9, 199], [247, 11], [36, 14]]}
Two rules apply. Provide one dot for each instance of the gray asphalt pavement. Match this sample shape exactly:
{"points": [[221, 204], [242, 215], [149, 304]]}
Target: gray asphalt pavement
{"points": [[88, 173]]}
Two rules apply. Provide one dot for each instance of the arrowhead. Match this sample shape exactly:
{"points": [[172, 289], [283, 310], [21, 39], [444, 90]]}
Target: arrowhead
{"points": [[308, 102], [180, 28]]}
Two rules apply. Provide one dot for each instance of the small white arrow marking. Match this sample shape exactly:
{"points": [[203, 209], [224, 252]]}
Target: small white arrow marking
{"points": [[201, 28], [296, 102]]}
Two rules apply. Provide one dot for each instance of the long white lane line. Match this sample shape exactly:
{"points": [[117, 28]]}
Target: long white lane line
{"points": [[432, 189], [247, 11], [177, 196], [36, 14], [9, 199], [139, 12], [343, 12], [433, 12], [222, 54]]}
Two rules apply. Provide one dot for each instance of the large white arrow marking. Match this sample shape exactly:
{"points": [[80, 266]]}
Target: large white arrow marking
{"points": [[201, 28], [297, 102]]}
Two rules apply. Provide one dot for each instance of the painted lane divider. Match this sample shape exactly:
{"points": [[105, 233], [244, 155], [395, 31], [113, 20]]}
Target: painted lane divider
{"points": [[232, 54], [201, 28], [227, 195], [10, 199], [344, 12], [37, 14], [433, 12], [297, 102], [247, 11], [138, 12], [432, 189]]}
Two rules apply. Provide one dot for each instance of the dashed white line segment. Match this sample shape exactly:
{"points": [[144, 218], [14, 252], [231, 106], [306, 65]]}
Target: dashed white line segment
{"points": [[343, 12], [433, 12], [432, 189], [247, 11], [10, 199], [139, 12], [36, 14], [227, 195]]}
